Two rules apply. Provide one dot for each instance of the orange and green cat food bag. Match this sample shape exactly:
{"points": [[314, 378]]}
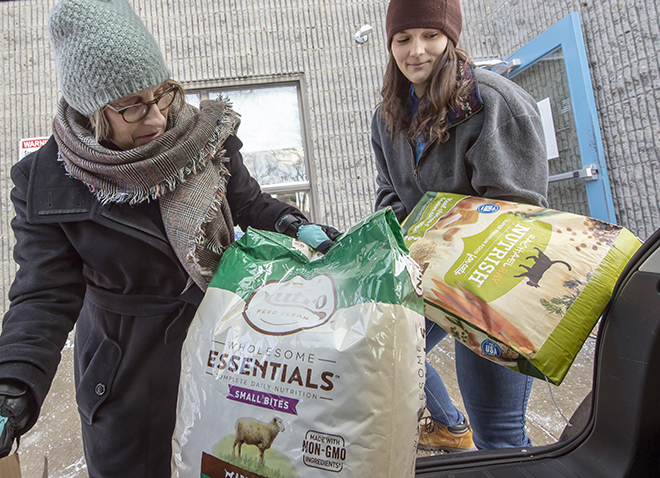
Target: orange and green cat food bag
{"points": [[520, 285]]}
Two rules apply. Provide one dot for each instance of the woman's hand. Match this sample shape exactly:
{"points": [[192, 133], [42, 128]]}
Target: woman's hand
{"points": [[15, 409], [317, 236]]}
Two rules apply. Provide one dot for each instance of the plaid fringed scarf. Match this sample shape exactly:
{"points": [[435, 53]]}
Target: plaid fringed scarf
{"points": [[184, 168]]}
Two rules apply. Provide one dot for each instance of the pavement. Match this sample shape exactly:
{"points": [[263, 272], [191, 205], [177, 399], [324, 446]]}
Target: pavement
{"points": [[53, 448], [549, 406]]}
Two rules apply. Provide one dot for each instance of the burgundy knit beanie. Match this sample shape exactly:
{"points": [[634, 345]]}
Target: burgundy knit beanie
{"points": [[443, 15]]}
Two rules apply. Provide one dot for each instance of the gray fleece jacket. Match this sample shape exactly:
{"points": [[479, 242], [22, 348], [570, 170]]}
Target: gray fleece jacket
{"points": [[496, 151]]}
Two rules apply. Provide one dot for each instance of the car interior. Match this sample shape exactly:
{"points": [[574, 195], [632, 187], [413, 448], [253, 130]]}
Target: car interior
{"points": [[615, 431]]}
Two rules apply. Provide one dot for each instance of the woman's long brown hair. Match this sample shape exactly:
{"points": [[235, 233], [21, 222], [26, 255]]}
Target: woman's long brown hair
{"points": [[444, 91]]}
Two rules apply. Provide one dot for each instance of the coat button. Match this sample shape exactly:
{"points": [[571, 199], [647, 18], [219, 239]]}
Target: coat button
{"points": [[99, 389]]}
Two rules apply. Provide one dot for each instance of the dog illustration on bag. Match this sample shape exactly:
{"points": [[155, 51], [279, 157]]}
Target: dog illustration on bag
{"points": [[541, 264]]}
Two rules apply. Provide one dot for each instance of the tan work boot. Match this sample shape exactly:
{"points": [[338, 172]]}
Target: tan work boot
{"points": [[436, 437]]}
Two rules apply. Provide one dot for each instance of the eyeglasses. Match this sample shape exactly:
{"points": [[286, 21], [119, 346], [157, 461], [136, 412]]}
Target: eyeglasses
{"points": [[136, 112]]}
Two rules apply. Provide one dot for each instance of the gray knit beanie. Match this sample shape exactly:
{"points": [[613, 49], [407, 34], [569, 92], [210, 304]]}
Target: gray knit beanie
{"points": [[103, 52]]}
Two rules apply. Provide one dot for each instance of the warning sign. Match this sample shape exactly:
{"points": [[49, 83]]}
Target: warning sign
{"points": [[29, 145]]}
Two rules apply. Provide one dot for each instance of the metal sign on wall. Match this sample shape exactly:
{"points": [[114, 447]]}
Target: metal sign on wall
{"points": [[30, 145]]}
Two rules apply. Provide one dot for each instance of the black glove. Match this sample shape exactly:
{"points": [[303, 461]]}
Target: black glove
{"points": [[15, 411], [317, 236]]}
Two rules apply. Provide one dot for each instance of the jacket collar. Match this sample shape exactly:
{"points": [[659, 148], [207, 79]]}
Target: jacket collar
{"points": [[473, 102], [55, 197]]}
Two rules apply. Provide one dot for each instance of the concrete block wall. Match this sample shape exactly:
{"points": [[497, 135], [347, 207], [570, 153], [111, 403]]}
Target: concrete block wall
{"points": [[28, 98], [210, 43], [246, 40], [622, 40]]}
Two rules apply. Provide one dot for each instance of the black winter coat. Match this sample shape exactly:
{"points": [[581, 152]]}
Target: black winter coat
{"points": [[111, 271]]}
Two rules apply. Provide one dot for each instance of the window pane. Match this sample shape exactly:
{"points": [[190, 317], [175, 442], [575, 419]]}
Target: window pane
{"points": [[270, 131], [547, 79], [299, 199], [193, 99]]}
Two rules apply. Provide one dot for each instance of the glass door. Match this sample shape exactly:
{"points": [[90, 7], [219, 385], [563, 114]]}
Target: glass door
{"points": [[553, 68]]}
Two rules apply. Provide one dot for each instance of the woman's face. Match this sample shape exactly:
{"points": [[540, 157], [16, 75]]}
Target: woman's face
{"points": [[131, 135], [415, 51]]}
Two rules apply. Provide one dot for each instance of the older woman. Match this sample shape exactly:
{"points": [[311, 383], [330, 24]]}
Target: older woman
{"points": [[121, 219]]}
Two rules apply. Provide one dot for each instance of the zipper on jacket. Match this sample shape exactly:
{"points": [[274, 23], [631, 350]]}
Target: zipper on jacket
{"points": [[418, 162], [412, 145]]}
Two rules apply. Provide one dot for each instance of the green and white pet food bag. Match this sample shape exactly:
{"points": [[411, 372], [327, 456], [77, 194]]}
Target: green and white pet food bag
{"points": [[305, 365], [520, 285]]}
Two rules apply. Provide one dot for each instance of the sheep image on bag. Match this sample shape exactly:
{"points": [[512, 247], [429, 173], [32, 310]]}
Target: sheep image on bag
{"points": [[254, 432]]}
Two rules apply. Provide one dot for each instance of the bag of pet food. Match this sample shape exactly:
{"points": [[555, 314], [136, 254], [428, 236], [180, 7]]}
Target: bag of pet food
{"points": [[520, 285], [303, 365]]}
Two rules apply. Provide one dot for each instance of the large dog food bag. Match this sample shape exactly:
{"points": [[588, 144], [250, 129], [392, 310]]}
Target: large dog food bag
{"points": [[520, 285], [303, 365]]}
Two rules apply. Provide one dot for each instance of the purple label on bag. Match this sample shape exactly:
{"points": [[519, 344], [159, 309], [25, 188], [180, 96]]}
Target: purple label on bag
{"points": [[263, 399]]}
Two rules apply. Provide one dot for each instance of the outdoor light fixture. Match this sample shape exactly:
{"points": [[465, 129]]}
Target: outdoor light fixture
{"points": [[362, 35], [498, 66]]}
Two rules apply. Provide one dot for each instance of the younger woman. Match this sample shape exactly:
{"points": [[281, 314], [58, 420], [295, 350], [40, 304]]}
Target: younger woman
{"points": [[445, 126]]}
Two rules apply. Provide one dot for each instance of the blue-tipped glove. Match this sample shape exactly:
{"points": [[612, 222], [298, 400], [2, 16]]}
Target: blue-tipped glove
{"points": [[317, 236], [15, 411]]}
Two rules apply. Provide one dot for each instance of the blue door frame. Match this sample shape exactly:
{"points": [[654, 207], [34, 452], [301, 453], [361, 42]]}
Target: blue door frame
{"points": [[567, 35]]}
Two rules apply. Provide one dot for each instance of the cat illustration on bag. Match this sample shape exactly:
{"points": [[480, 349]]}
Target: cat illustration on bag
{"points": [[541, 264]]}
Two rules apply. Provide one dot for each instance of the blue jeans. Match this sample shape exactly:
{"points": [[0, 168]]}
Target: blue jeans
{"points": [[495, 397]]}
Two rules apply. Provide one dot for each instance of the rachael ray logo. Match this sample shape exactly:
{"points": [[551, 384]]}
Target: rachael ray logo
{"points": [[284, 308]]}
